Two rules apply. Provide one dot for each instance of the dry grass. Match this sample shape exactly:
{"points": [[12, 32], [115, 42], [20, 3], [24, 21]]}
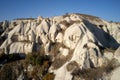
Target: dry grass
{"points": [[54, 48], [61, 59], [40, 64], [95, 73], [36, 58], [67, 24], [86, 16], [49, 76], [10, 71], [58, 62], [40, 71]]}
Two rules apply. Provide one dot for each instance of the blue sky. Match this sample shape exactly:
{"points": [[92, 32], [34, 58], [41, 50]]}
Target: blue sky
{"points": [[106, 9]]}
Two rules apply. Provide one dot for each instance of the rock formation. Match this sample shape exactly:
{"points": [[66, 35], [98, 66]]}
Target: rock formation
{"points": [[75, 41]]}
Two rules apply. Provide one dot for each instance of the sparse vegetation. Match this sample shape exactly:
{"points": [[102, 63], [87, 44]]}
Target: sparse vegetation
{"points": [[95, 73], [61, 59], [39, 61], [49, 76], [10, 71], [58, 62], [36, 58], [67, 24], [86, 16], [54, 48], [35, 65], [41, 64], [54, 51]]}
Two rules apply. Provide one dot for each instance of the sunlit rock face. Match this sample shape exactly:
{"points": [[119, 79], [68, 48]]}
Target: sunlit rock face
{"points": [[75, 41]]}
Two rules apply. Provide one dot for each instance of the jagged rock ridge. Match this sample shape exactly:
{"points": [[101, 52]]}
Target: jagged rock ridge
{"points": [[77, 39]]}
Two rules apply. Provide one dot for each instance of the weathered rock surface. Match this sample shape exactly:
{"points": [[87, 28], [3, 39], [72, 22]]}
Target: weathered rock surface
{"points": [[82, 39]]}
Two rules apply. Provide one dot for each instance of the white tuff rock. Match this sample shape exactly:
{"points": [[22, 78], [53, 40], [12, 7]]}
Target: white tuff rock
{"points": [[80, 39]]}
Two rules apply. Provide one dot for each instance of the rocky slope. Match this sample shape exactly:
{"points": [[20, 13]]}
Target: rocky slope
{"points": [[74, 41]]}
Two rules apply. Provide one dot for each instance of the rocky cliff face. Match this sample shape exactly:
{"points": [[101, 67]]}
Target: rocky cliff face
{"points": [[74, 41]]}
